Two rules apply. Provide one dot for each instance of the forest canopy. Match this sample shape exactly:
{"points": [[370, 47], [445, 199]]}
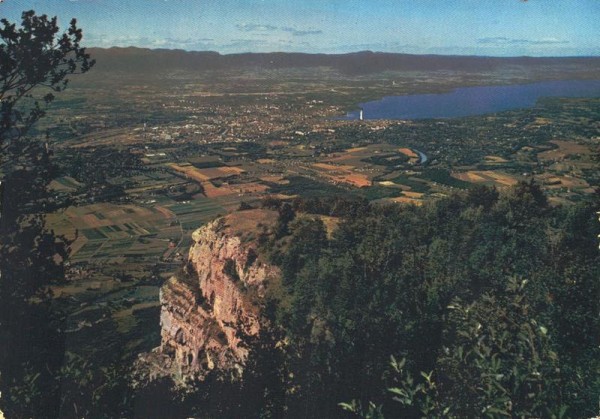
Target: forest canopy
{"points": [[489, 300]]}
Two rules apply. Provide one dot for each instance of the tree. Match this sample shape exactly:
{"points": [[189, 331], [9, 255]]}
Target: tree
{"points": [[499, 359], [286, 214], [33, 56], [35, 62], [499, 362], [436, 285]]}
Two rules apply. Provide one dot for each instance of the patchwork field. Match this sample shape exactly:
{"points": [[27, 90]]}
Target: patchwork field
{"points": [[355, 156], [406, 200], [554, 181], [408, 152], [203, 175], [495, 159], [112, 231], [342, 174], [487, 177], [193, 213], [359, 166], [119, 233], [564, 149], [280, 179], [220, 172], [238, 189], [65, 184]]}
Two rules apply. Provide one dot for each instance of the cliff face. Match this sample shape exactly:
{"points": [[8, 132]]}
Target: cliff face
{"points": [[208, 313]]}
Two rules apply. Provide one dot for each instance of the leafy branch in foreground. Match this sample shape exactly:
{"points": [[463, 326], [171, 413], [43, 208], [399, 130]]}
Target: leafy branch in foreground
{"points": [[35, 62], [499, 364], [34, 57]]}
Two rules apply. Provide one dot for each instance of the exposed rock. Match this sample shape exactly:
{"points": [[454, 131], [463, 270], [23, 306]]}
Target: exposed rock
{"points": [[209, 312]]}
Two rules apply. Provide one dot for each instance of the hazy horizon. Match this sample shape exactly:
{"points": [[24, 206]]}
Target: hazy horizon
{"points": [[511, 28], [337, 53]]}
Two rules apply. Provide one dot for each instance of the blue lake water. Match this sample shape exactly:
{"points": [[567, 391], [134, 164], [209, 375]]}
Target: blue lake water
{"points": [[468, 101]]}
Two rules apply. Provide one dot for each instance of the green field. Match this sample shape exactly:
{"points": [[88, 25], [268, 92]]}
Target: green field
{"points": [[194, 213]]}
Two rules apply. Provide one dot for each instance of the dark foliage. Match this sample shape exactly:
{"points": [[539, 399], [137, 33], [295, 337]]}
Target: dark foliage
{"points": [[443, 286], [35, 61]]}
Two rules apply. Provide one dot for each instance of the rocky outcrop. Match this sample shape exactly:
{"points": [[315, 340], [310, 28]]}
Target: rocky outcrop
{"points": [[209, 312]]}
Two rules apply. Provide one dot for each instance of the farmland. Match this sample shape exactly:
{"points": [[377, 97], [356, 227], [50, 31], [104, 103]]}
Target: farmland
{"points": [[178, 185], [136, 204]]}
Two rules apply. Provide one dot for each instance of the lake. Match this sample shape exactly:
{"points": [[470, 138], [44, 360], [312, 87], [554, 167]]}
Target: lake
{"points": [[468, 101]]}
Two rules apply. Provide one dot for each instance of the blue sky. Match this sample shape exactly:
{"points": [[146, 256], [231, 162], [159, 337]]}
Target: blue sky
{"points": [[464, 27]]}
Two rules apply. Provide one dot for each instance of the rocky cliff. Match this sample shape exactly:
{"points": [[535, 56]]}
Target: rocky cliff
{"points": [[211, 309]]}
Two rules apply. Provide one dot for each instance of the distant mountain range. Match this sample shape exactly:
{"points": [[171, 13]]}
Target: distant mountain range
{"points": [[143, 60]]}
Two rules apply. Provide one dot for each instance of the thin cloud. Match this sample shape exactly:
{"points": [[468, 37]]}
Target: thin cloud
{"points": [[253, 27], [299, 32], [188, 41], [259, 29], [501, 40], [190, 44]]}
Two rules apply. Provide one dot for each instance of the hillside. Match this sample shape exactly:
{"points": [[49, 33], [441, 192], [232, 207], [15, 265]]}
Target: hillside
{"points": [[464, 305], [147, 61]]}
